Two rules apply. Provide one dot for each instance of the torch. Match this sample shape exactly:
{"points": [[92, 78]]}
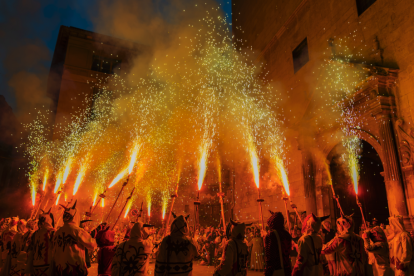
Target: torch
{"points": [[255, 164], [127, 200], [123, 186], [354, 175], [220, 195], [202, 172]]}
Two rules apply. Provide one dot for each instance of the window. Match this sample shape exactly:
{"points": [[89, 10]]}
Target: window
{"points": [[105, 65], [363, 5], [300, 55]]}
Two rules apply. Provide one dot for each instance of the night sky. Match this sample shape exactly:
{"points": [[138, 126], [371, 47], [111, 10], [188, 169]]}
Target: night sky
{"points": [[28, 32]]}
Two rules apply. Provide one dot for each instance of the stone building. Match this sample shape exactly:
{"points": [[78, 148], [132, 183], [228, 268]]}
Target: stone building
{"points": [[294, 39], [80, 60]]}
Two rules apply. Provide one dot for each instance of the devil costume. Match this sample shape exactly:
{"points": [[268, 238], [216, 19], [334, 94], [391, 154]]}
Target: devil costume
{"points": [[176, 251], [375, 242], [132, 256], [400, 247], [106, 252], [350, 257], [277, 241], [15, 262], [309, 248], [234, 259], [40, 248], [69, 245], [7, 238]]}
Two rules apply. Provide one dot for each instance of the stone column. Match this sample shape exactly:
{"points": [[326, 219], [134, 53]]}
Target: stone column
{"points": [[392, 176], [308, 171]]}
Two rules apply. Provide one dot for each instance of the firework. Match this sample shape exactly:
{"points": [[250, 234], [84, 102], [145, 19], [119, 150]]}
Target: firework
{"points": [[45, 179]]}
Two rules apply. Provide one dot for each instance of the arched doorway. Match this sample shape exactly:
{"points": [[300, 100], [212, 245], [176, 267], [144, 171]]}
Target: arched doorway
{"points": [[371, 189]]}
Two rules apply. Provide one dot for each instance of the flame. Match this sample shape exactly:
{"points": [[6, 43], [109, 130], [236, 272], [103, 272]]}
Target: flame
{"points": [[133, 157], [67, 170], [118, 177], [66, 196], [45, 179], [202, 166], [164, 206], [94, 199], [353, 167], [128, 207], [79, 178], [255, 164], [58, 197], [103, 202], [149, 208], [33, 194], [283, 175], [58, 182]]}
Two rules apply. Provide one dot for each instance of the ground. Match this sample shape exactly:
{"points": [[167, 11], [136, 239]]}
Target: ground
{"points": [[197, 271]]}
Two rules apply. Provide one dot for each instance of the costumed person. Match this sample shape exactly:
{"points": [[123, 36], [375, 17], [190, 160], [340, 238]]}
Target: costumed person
{"points": [[257, 254], [294, 250], [350, 257], [375, 242], [69, 245], [7, 237], [375, 222], [234, 259], [132, 257], [308, 262], [400, 247], [84, 225], [328, 233], [278, 245], [177, 250], [40, 248], [15, 262], [106, 252]]}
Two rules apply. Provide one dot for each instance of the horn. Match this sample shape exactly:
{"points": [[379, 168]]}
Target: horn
{"points": [[42, 211], [74, 205], [48, 212], [53, 220], [147, 225], [187, 217], [64, 207], [272, 212], [233, 222], [323, 218], [174, 215]]}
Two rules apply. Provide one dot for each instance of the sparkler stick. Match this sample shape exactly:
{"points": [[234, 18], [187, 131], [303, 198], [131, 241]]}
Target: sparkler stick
{"points": [[221, 194], [285, 199], [196, 211], [101, 197], [337, 200], [128, 199], [173, 197], [260, 200], [294, 207], [123, 186], [362, 213]]}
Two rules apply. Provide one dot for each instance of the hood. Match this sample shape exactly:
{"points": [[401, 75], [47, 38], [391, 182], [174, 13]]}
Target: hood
{"points": [[46, 220], [345, 225], [139, 231], [238, 229], [397, 225], [376, 234], [71, 214], [21, 226], [179, 225], [312, 223], [105, 237], [276, 221]]}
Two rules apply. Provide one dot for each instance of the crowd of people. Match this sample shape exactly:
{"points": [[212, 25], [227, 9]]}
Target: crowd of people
{"points": [[37, 247]]}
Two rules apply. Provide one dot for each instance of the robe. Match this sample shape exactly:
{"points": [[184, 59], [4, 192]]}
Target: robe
{"points": [[257, 254], [40, 251], [308, 262]]}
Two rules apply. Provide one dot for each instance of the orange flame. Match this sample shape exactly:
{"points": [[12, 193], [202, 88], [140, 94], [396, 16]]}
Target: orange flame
{"points": [[202, 166], [118, 177], [79, 178], [67, 170], [58, 182], [45, 179], [94, 199], [354, 175], [283, 175], [58, 197], [103, 202], [255, 164], [133, 157], [33, 194], [149, 209], [128, 207]]}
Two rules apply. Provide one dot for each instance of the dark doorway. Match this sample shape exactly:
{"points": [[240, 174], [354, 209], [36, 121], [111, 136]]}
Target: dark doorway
{"points": [[371, 189]]}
